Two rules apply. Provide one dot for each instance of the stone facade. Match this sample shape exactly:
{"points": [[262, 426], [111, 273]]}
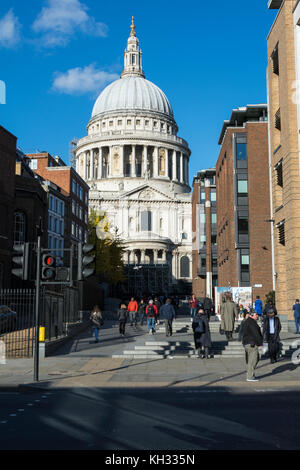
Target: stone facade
{"points": [[138, 172], [283, 76]]}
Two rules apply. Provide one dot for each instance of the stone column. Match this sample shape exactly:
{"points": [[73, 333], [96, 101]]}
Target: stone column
{"points": [[110, 161], [155, 256], [131, 257], [174, 175], [84, 166], [181, 167], [92, 164], [155, 162], [144, 161], [133, 167], [142, 256], [164, 256], [167, 163], [100, 163], [122, 160]]}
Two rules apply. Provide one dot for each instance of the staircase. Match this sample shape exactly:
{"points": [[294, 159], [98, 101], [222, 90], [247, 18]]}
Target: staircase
{"points": [[153, 348]]}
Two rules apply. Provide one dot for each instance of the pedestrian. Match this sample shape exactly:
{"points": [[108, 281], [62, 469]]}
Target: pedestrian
{"points": [[132, 310], [201, 331], [142, 311], [193, 306], [208, 306], [245, 314], [151, 312], [167, 311], [229, 313], [252, 339], [122, 316], [269, 306], [157, 305], [258, 306], [96, 321], [296, 308], [271, 330], [241, 312]]}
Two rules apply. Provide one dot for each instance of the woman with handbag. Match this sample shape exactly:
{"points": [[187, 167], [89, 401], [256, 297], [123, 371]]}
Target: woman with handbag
{"points": [[96, 321]]}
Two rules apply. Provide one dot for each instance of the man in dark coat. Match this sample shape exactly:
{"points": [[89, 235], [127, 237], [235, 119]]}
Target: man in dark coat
{"points": [[252, 339], [208, 306], [201, 331], [167, 311], [271, 330]]}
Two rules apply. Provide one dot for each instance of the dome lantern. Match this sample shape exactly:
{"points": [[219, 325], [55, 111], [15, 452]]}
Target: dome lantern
{"points": [[133, 55]]}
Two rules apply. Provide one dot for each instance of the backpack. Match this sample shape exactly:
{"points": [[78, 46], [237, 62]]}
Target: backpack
{"points": [[151, 311]]}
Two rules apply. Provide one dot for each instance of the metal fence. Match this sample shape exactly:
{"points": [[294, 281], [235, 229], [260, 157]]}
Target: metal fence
{"points": [[58, 309]]}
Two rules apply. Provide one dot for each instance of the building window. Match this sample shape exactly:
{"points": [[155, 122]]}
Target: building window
{"points": [[202, 196], [81, 194], [278, 120], [243, 225], [242, 186], [213, 218], [202, 218], [33, 164], [128, 122], [214, 240], [281, 232], [19, 227], [184, 267], [213, 196], [241, 151], [146, 221], [119, 122], [279, 176], [245, 269], [275, 60]]}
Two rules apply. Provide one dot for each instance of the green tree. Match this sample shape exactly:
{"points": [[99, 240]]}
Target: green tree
{"points": [[109, 265]]}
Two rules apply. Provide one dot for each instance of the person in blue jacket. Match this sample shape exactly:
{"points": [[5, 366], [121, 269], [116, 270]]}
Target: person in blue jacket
{"points": [[258, 305], [296, 308]]}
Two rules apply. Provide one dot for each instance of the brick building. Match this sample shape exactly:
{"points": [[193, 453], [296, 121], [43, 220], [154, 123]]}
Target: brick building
{"points": [[243, 201], [74, 191], [8, 144], [283, 75], [204, 228]]}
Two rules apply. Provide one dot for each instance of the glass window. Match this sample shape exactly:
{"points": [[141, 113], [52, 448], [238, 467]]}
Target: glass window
{"points": [[81, 194], [19, 227], [243, 225], [213, 218], [202, 218], [203, 238], [202, 196], [243, 186], [213, 196], [241, 151], [33, 164]]}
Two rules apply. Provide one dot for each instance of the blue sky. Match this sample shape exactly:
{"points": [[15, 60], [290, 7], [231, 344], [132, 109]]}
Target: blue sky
{"points": [[57, 55]]}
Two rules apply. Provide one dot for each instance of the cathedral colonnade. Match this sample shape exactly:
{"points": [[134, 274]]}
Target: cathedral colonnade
{"points": [[133, 160]]}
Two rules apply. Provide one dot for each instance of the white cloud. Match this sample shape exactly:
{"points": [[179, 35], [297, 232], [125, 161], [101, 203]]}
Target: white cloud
{"points": [[79, 80], [61, 19], [9, 30]]}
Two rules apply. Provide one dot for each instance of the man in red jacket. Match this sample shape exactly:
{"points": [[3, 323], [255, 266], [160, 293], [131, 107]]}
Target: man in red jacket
{"points": [[151, 312], [132, 310], [193, 306]]}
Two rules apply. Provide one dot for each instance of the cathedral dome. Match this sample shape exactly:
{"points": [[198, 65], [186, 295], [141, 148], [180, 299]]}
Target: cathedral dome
{"points": [[132, 92]]}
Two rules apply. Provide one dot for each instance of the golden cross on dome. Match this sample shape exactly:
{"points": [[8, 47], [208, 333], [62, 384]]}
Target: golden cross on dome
{"points": [[132, 26]]}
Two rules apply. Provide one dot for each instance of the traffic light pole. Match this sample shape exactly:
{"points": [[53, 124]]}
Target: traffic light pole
{"points": [[37, 316]]}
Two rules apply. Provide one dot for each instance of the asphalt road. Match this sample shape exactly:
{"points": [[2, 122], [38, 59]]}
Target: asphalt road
{"points": [[160, 419]]}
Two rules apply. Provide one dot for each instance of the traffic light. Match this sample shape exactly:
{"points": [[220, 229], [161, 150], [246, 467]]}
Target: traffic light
{"points": [[84, 261], [21, 257], [48, 267]]}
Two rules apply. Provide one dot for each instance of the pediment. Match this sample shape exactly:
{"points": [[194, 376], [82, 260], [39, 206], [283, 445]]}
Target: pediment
{"points": [[147, 192]]}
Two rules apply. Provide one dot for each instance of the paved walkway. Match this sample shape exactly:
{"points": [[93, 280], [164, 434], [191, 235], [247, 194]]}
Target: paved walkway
{"points": [[82, 363]]}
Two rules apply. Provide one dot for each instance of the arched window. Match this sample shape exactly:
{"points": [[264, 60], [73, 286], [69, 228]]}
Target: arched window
{"points": [[184, 267], [19, 227]]}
